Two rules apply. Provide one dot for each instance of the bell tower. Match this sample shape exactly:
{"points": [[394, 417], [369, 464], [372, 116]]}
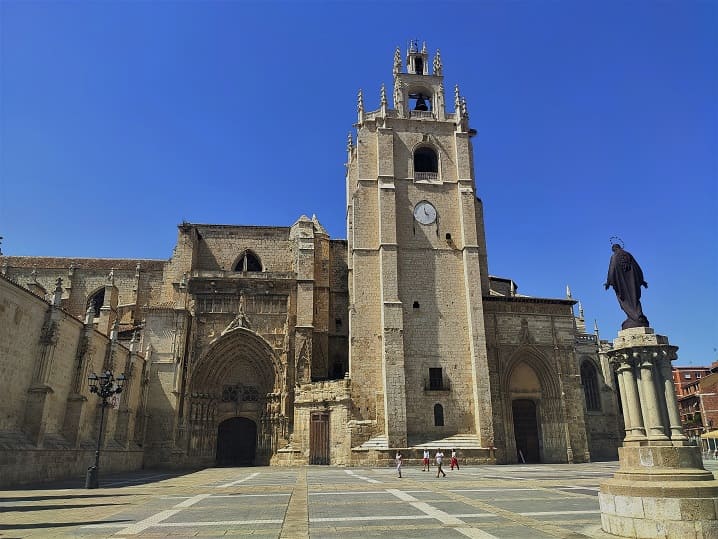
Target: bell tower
{"points": [[417, 263]]}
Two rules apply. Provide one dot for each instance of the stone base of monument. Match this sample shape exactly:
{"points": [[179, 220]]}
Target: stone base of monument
{"points": [[661, 489], [660, 492]]}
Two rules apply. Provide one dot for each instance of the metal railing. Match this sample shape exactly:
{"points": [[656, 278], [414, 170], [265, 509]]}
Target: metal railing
{"points": [[426, 176], [436, 384], [421, 114]]}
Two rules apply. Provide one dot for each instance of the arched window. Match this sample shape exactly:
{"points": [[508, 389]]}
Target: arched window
{"points": [[589, 379], [97, 300], [438, 415], [426, 164], [248, 262]]}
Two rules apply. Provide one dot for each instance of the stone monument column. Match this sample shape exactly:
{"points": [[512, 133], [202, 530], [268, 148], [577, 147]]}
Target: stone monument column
{"points": [[661, 488]]}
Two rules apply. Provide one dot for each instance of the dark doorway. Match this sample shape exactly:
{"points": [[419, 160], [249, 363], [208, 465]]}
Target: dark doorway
{"points": [[526, 430], [236, 442], [319, 438]]}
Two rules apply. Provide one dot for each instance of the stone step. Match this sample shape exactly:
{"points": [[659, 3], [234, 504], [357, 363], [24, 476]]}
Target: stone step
{"points": [[457, 441], [378, 442]]}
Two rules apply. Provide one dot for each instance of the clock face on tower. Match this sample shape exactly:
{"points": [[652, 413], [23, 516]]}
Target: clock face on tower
{"points": [[425, 212]]}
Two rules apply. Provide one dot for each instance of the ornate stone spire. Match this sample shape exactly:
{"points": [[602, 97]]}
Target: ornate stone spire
{"points": [[57, 296], [399, 96], [397, 61], [350, 142], [580, 310], [360, 106], [423, 48], [438, 67], [383, 95], [457, 99], [568, 293]]}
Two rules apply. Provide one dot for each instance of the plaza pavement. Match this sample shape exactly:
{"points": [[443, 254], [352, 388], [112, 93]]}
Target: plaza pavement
{"points": [[321, 502]]}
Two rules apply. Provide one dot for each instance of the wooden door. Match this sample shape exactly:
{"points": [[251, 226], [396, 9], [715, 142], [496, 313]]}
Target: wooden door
{"points": [[319, 438], [526, 430]]}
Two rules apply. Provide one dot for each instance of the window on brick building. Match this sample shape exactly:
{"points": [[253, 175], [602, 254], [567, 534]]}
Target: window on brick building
{"points": [[438, 415], [248, 262], [589, 379], [96, 300]]}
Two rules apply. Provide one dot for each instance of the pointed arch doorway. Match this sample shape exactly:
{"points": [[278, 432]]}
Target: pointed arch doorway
{"points": [[526, 430], [236, 442]]}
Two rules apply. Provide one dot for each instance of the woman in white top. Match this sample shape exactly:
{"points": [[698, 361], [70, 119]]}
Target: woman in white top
{"points": [[439, 457]]}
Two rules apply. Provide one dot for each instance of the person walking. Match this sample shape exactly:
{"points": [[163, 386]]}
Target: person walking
{"points": [[398, 463], [439, 457], [454, 460], [426, 461]]}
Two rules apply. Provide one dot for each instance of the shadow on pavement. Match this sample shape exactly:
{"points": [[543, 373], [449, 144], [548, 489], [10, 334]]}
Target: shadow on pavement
{"points": [[40, 525], [114, 480], [30, 508], [58, 497]]}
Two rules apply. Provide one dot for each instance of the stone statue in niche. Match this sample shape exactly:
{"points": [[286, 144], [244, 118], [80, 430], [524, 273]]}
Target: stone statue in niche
{"points": [[626, 278]]}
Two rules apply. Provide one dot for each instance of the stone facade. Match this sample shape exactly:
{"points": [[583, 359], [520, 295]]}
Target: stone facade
{"points": [[281, 345], [49, 420]]}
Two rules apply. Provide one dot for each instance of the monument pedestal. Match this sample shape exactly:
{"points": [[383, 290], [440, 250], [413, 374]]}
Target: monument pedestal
{"points": [[661, 489]]}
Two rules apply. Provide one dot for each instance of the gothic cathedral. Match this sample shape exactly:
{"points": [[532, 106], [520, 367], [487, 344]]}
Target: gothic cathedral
{"points": [[281, 345]]}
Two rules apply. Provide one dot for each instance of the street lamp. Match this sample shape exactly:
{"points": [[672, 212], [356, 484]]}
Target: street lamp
{"points": [[105, 385]]}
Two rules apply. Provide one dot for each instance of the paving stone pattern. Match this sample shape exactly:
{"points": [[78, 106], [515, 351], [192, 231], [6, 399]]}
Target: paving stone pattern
{"points": [[481, 502]]}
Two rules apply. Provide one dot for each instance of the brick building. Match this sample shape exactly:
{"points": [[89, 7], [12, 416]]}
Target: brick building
{"points": [[697, 390], [282, 345]]}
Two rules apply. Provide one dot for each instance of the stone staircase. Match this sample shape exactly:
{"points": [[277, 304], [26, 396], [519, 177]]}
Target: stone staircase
{"points": [[457, 441], [378, 442]]}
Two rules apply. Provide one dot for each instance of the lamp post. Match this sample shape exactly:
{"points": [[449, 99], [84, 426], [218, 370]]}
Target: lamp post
{"points": [[105, 385]]}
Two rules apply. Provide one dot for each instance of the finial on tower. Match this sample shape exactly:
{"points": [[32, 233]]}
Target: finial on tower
{"points": [[397, 61], [423, 48], [457, 99], [360, 102], [438, 67], [383, 95], [350, 142], [57, 296], [568, 293], [580, 309], [89, 314]]}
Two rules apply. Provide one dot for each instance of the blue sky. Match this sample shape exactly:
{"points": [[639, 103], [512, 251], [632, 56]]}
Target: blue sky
{"points": [[119, 120]]}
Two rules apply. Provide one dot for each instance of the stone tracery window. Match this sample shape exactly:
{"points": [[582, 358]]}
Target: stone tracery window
{"points": [[589, 380], [248, 262], [96, 300]]}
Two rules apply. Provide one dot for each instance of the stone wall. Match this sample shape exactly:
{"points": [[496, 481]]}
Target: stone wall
{"points": [[49, 420]]}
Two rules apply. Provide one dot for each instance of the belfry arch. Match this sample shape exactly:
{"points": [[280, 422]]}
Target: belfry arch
{"points": [[237, 381]]}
